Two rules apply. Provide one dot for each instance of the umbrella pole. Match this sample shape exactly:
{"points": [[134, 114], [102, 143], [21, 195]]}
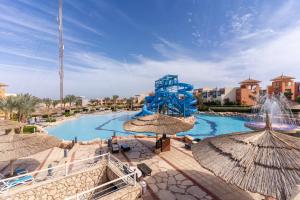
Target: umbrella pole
{"points": [[11, 167]]}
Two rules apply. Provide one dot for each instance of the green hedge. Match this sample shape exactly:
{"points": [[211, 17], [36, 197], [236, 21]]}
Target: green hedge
{"points": [[50, 120], [29, 129], [242, 109]]}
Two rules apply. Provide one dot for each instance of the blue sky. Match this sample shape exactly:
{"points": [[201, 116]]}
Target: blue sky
{"points": [[121, 47]]}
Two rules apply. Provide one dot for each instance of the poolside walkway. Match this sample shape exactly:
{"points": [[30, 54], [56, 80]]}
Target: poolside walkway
{"points": [[176, 175]]}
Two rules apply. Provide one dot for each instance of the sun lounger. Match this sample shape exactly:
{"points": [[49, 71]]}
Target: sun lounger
{"points": [[6, 185], [125, 147], [115, 148], [146, 171]]}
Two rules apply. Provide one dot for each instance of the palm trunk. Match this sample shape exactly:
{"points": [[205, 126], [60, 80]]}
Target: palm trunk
{"points": [[11, 167]]}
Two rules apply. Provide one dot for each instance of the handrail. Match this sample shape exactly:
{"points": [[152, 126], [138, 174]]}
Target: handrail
{"points": [[76, 196], [51, 168]]}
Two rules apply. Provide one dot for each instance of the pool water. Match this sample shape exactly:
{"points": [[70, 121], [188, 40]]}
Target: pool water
{"points": [[103, 126]]}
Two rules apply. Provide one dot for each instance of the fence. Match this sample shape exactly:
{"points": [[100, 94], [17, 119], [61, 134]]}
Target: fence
{"points": [[66, 169], [128, 177]]}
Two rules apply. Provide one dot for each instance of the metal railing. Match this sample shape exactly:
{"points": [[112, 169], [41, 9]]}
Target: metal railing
{"points": [[128, 178], [106, 188], [63, 170]]}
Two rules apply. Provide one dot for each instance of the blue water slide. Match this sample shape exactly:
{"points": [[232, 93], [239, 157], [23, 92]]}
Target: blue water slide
{"points": [[170, 96]]}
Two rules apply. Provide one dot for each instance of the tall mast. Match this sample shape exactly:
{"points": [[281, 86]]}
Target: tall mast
{"points": [[61, 53]]}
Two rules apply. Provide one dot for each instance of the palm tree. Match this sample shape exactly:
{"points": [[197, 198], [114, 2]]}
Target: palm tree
{"points": [[129, 103], [70, 99], [78, 102], [25, 105], [114, 98], [55, 103], [8, 105]]}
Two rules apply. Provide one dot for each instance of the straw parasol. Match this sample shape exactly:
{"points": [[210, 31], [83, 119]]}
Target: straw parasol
{"points": [[264, 162], [158, 124], [15, 146]]}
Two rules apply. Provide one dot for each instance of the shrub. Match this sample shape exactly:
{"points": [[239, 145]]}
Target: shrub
{"points": [[298, 99], [50, 120], [242, 109], [67, 114], [29, 129]]}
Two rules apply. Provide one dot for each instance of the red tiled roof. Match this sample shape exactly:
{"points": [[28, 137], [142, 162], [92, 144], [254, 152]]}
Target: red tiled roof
{"points": [[282, 77], [250, 81]]}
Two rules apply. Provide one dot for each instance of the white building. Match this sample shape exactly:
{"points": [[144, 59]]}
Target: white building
{"points": [[219, 95]]}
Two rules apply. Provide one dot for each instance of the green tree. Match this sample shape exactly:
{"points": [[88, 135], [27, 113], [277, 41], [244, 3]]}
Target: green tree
{"points": [[298, 99], [55, 103], [115, 98], [288, 95], [78, 102], [8, 105], [70, 99], [25, 105]]}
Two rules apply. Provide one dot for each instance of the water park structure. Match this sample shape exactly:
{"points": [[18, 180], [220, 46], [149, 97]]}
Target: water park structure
{"points": [[171, 97]]}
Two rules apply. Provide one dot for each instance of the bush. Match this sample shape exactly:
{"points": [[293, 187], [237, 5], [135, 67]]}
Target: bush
{"points": [[50, 120], [242, 109], [298, 99], [67, 114], [29, 129]]}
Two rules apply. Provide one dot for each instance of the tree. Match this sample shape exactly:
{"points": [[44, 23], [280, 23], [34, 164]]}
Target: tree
{"points": [[55, 103], [114, 98], [288, 95], [8, 105], [48, 103], [78, 102], [25, 105], [70, 99], [129, 103], [298, 99]]}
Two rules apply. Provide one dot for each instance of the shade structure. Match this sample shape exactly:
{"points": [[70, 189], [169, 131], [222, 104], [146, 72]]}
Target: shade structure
{"points": [[264, 162], [157, 123], [15, 146]]}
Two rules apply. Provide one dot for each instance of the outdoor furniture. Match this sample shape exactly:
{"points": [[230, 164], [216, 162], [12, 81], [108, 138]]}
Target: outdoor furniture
{"points": [[137, 171], [19, 171], [146, 171], [125, 147], [6, 185], [115, 148], [188, 146], [165, 144]]}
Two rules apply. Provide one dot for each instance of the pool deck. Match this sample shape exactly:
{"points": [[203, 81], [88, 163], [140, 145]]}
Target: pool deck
{"points": [[175, 174]]}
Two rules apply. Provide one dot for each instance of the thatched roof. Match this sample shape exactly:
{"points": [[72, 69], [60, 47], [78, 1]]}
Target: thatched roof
{"points": [[264, 162], [157, 123], [15, 146], [8, 124]]}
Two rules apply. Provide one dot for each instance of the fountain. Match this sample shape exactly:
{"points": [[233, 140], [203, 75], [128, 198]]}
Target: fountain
{"points": [[281, 116]]}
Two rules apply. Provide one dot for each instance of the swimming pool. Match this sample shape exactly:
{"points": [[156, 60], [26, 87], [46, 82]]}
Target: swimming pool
{"points": [[103, 126]]}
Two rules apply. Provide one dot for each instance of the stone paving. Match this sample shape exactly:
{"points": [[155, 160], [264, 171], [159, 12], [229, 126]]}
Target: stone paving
{"points": [[165, 181], [176, 175]]}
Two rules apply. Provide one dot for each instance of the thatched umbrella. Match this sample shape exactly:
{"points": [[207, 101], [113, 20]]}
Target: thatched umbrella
{"points": [[158, 124], [15, 146], [264, 162]]}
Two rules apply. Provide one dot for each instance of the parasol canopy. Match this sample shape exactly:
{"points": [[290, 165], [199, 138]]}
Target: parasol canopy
{"points": [[15, 146], [264, 162], [157, 123]]}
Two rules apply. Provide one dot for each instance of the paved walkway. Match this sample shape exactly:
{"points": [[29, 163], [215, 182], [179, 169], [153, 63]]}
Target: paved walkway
{"points": [[176, 175]]}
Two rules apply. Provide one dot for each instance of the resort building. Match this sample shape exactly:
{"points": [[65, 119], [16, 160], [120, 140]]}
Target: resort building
{"points": [[248, 93], [219, 95], [284, 85], [2, 90]]}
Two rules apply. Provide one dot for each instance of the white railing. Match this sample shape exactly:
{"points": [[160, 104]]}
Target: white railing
{"points": [[128, 178], [106, 188], [66, 169]]}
